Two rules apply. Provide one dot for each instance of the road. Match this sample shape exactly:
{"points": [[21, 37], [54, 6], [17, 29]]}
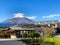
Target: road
{"points": [[12, 42]]}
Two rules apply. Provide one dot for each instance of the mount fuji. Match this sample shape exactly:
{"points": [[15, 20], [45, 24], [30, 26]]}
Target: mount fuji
{"points": [[18, 19]]}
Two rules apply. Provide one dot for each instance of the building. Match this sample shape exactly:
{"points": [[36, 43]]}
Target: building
{"points": [[16, 32], [51, 23]]}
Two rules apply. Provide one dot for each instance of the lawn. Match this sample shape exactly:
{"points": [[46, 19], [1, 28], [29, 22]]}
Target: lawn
{"points": [[55, 40]]}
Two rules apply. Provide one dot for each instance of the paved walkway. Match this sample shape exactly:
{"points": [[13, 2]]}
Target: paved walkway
{"points": [[6, 39], [57, 36], [12, 42]]}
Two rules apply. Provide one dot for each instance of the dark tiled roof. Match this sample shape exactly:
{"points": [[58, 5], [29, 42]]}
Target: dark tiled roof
{"points": [[20, 28]]}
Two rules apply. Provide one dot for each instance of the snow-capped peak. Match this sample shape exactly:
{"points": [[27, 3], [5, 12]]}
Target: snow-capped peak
{"points": [[19, 15]]}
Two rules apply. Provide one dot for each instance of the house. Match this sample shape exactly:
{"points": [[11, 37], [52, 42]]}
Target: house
{"points": [[51, 23], [16, 31]]}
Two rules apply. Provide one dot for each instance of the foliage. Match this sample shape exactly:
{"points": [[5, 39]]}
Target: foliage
{"points": [[55, 40], [28, 25], [1, 29], [48, 41], [31, 41], [34, 35], [6, 34], [49, 31], [31, 34], [58, 24], [24, 35]]}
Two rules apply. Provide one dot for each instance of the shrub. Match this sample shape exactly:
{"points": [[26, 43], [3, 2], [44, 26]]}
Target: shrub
{"points": [[49, 43], [24, 35], [34, 35]]}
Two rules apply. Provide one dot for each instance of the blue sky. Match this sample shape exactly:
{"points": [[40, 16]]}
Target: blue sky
{"points": [[38, 10]]}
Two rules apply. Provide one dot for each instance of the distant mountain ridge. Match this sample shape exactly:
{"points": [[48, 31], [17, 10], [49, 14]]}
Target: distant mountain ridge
{"points": [[17, 21]]}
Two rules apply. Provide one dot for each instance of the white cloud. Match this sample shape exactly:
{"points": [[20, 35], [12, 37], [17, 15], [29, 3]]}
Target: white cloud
{"points": [[51, 16], [32, 17], [21, 15]]}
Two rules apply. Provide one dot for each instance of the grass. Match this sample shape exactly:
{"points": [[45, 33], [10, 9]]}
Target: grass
{"points": [[47, 41], [55, 40]]}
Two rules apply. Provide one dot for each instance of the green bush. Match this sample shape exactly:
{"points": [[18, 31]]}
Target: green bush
{"points": [[34, 35], [26, 40], [31, 41], [35, 41], [24, 35], [49, 43]]}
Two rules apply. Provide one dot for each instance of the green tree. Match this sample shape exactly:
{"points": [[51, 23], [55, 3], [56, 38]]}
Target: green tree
{"points": [[49, 31], [28, 25], [34, 35], [24, 35]]}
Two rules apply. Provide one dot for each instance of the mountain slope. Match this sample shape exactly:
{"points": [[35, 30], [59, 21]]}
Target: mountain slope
{"points": [[10, 22], [18, 20]]}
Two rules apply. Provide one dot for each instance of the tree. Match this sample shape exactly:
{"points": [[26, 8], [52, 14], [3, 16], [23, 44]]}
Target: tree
{"points": [[28, 25], [6, 34], [24, 35], [58, 24], [49, 31], [1, 31], [34, 34]]}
